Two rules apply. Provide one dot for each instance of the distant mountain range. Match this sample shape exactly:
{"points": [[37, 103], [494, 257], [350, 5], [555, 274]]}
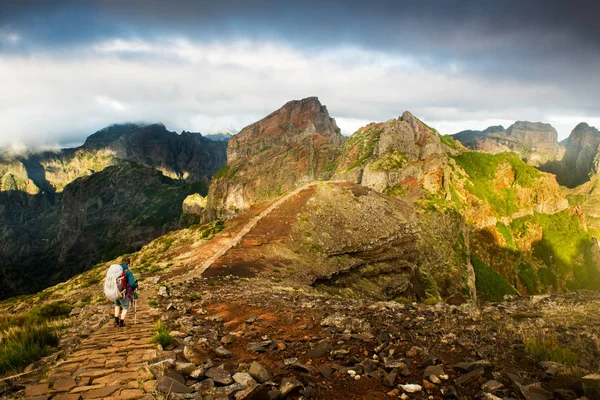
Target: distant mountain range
{"points": [[62, 212], [400, 211]]}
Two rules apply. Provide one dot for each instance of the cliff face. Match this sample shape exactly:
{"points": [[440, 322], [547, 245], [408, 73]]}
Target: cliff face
{"points": [[48, 238], [535, 142], [188, 156], [61, 212], [581, 159], [295, 144]]}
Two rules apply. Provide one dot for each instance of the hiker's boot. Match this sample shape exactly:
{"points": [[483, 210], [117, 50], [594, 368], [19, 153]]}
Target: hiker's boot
{"points": [[121, 323], [117, 321]]}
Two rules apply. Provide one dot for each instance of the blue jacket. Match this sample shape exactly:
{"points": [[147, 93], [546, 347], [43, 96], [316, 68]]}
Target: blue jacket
{"points": [[131, 282]]}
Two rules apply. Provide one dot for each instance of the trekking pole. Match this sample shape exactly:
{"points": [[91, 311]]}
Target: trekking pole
{"points": [[135, 311]]}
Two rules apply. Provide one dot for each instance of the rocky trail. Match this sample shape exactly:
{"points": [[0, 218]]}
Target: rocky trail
{"points": [[221, 245], [108, 364], [240, 339]]}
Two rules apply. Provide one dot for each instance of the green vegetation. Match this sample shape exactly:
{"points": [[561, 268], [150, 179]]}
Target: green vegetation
{"points": [[393, 160], [397, 191], [195, 297], [365, 139], [221, 173], [27, 337], [507, 235], [449, 141], [152, 303], [565, 250], [482, 169], [528, 278], [491, 286], [455, 197], [213, 229], [162, 335], [547, 349], [575, 199], [431, 301]]}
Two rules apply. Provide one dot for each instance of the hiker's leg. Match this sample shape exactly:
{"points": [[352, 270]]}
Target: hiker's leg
{"points": [[117, 309], [125, 303]]}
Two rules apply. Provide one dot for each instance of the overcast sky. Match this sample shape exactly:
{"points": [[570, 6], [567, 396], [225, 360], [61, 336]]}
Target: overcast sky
{"points": [[71, 68]]}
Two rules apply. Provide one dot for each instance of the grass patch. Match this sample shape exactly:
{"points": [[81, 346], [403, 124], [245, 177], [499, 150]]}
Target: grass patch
{"points": [[364, 140], [221, 173], [548, 349], [575, 199], [25, 338], [195, 297], [393, 160], [449, 141], [24, 344], [524, 315], [162, 335], [482, 169], [152, 303], [397, 191], [506, 234], [491, 286]]}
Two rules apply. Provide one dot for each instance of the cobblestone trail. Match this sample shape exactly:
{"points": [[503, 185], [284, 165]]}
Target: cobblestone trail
{"points": [[106, 365]]}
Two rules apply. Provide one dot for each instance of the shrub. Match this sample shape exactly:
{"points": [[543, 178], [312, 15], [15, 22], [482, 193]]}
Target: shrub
{"points": [[491, 286], [152, 303], [27, 337], [548, 349], [52, 310], [22, 345], [162, 335]]}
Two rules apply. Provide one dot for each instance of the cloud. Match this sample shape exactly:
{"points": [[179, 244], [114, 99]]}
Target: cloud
{"points": [[199, 86], [69, 68], [111, 103]]}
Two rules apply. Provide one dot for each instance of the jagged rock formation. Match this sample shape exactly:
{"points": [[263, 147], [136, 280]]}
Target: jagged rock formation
{"points": [[188, 156], [394, 155], [297, 143], [535, 142], [581, 159]]}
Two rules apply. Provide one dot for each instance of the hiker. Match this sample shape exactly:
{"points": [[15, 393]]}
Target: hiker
{"points": [[123, 302]]}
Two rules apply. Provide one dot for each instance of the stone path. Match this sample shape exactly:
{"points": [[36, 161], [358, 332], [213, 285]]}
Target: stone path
{"points": [[106, 365]]}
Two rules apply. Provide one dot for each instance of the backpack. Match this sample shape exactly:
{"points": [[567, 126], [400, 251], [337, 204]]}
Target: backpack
{"points": [[115, 284]]}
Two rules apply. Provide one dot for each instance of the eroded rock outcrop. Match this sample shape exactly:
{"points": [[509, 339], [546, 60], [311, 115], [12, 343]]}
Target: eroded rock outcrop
{"points": [[581, 159], [394, 155], [295, 144], [535, 142]]}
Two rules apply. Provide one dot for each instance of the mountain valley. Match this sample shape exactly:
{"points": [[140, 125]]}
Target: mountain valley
{"points": [[344, 267]]}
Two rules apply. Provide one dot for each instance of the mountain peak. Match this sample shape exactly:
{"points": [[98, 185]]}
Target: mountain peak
{"points": [[291, 123]]}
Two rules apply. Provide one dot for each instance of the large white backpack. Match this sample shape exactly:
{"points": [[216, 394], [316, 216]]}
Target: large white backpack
{"points": [[112, 283]]}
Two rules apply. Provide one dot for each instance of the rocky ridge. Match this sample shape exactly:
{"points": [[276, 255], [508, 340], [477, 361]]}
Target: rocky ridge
{"points": [[535, 142], [295, 144]]}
